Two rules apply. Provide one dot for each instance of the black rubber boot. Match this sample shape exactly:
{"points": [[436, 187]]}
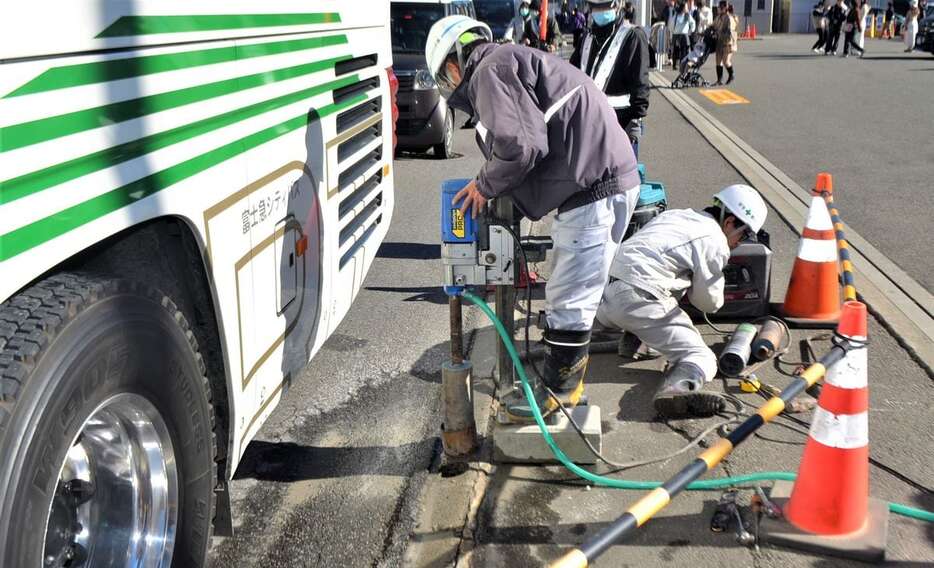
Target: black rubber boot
{"points": [[566, 358], [729, 71], [719, 75], [682, 394]]}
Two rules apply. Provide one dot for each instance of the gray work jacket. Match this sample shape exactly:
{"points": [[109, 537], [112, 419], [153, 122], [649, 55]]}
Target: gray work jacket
{"points": [[550, 139]]}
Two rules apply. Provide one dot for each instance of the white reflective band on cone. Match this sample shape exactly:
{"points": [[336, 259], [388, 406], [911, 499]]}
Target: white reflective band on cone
{"points": [[844, 431], [852, 371], [815, 250], [819, 216]]}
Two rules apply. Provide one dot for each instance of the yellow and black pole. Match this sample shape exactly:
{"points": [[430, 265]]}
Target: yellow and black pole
{"points": [[645, 508], [824, 188]]}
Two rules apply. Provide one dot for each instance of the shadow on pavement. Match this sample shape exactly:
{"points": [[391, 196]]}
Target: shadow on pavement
{"points": [[287, 461], [432, 294], [412, 251]]}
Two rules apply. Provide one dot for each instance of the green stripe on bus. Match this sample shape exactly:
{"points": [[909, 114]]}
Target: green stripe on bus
{"points": [[115, 69], [20, 240], [44, 129], [144, 25], [27, 184]]}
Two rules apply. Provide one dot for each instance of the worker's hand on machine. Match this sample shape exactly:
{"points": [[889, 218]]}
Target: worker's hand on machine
{"points": [[473, 199]]}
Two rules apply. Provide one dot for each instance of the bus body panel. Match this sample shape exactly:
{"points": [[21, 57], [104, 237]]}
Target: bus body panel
{"points": [[276, 151]]}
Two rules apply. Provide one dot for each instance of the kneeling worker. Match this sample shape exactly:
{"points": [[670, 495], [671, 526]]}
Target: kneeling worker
{"points": [[551, 142], [680, 249]]}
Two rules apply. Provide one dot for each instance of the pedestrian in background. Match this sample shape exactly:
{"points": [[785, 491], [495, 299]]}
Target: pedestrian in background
{"points": [[851, 28], [531, 33], [888, 22], [911, 26], [704, 17], [864, 10], [578, 23], [819, 17], [836, 16], [727, 39], [681, 34]]}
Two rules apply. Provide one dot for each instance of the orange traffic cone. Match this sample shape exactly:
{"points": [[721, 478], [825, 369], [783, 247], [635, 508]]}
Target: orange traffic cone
{"points": [[831, 494], [813, 296], [828, 510]]}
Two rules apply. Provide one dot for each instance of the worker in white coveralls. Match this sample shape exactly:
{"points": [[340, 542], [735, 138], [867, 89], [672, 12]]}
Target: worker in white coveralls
{"points": [[551, 143], [680, 251]]}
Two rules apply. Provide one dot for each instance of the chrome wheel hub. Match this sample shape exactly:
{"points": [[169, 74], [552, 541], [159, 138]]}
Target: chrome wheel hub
{"points": [[116, 504]]}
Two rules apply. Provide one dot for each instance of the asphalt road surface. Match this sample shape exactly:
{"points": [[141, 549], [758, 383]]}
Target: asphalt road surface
{"points": [[331, 479], [867, 121]]}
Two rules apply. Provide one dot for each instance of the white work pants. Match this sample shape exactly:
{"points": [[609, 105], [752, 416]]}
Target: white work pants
{"points": [[660, 324], [585, 241]]}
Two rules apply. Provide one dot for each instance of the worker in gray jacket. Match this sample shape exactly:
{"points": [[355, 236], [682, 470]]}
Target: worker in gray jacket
{"points": [[551, 143], [681, 251]]}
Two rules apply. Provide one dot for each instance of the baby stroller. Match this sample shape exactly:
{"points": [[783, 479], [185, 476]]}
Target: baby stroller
{"points": [[689, 67]]}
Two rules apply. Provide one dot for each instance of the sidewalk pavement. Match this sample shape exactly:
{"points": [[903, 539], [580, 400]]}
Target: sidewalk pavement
{"points": [[508, 515]]}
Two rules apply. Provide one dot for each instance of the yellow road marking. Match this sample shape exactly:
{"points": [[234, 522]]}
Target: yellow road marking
{"points": [[724, 97]]}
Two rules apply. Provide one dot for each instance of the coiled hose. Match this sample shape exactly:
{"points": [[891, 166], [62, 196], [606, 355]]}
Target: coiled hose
{"points": [[705, 485]]}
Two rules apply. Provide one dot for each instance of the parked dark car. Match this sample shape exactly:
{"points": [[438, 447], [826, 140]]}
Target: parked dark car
{"points": [[425, 121]]}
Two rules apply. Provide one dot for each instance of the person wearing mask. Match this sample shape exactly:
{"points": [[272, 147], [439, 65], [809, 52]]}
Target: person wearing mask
{"points": [[615, 54], [727, 40], [819, 18], [681, 33], [852, 26], [552, 144], [864, 10], [836, 16], [532, 32], [681, 252], [911, 26], [888, 22], [516, 30]]}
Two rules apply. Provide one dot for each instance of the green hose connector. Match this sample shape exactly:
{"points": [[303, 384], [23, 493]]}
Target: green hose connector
{"points": [[706, 485]]}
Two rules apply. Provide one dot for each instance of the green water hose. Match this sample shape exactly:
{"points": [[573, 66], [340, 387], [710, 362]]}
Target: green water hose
{"points": [[706, 485]]}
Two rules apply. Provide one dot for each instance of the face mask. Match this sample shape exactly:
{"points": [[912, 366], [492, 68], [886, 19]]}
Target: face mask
{"points": [[524, 12], [604, 17]]}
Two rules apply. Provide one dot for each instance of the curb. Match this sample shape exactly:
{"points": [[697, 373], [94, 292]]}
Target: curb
{"points": [[904, 307]]}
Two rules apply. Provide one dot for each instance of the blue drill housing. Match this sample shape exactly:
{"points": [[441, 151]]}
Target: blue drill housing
{"points": [[455, 227]]}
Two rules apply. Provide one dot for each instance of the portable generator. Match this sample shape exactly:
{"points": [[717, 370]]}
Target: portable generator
{"points": [[747, 285], [748, 279]]}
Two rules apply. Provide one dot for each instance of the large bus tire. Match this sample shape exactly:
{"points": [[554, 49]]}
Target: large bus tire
{"points": [[107, 443]]}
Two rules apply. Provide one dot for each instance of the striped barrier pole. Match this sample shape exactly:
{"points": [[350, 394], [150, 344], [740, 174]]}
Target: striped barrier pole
{"points": [[824, 188], [646, 507]]}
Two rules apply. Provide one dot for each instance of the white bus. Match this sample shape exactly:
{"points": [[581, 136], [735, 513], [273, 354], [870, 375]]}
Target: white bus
{"points": [[191, 194]]}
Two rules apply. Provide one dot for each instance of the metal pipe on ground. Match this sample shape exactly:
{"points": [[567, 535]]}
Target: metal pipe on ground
{"points": [[656, 500]]}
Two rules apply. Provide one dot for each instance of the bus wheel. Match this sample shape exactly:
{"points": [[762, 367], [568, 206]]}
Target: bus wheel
{"points": [[107, 447]]}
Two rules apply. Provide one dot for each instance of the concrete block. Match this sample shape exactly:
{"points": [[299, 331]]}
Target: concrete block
{"points": [[514, 443], [866, 544]]}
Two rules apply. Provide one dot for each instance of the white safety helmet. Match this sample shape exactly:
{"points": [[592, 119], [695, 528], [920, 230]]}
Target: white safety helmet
{"points": [[745, 204], [450, 35]]}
